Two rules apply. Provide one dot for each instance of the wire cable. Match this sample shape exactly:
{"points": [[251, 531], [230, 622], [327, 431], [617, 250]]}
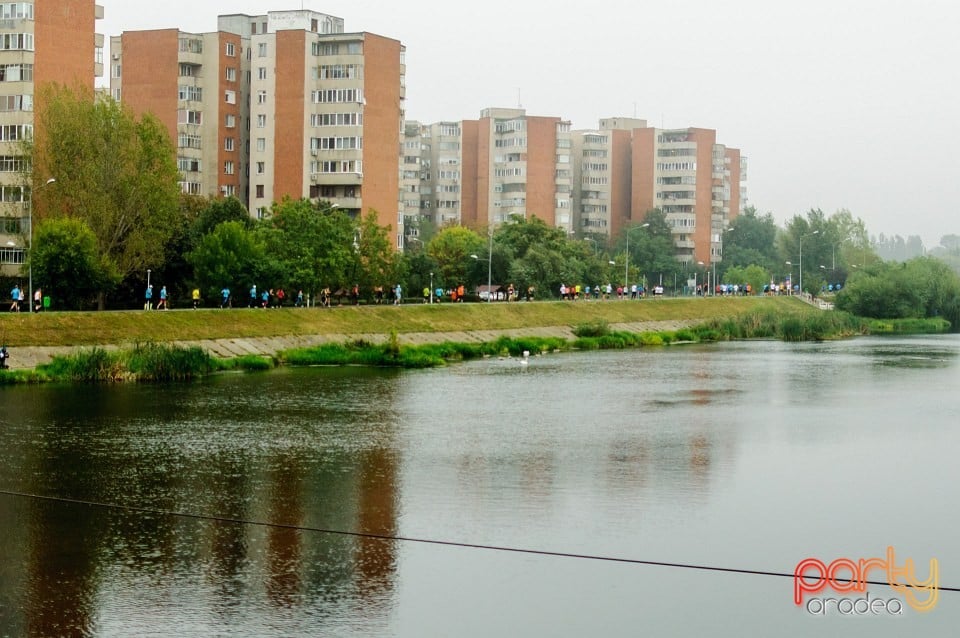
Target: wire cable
{"points": [[429, 541]]}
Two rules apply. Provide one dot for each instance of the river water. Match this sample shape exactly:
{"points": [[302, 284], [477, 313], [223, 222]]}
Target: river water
{"points": [[231, 507]]}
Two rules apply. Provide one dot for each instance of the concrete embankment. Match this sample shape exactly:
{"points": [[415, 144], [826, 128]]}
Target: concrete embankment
{"points": [[32, 356]]}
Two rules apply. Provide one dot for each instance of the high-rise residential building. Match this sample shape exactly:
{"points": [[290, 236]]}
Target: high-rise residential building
{"points": [[42, 43], [602, 176], [196, 87], [442, 173], [411, 187], [318, 112], [694, 181], [516, 164]]}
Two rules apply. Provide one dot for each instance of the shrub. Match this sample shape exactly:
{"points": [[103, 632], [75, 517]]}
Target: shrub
{"points": [[599, 328]]}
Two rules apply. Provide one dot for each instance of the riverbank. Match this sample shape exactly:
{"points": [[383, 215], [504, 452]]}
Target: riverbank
{"points": [[34, 339]]}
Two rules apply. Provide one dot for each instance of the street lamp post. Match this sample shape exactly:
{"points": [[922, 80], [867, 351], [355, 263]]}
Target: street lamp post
{"points": [[790, 263], [626, 263], [706, 276], [431, 289], [816, 232]]}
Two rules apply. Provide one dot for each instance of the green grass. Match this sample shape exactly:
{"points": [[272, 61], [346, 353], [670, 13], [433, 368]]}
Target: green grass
{"points": [[73, 329]]}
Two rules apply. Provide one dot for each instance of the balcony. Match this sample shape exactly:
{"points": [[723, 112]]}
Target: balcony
{"points": [[335, 179]]}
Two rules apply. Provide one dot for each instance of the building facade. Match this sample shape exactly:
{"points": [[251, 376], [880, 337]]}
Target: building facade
{"points": [[40, 43], [516, 164], [273, 106], [602, 176], [694, 181], [196, 87]]}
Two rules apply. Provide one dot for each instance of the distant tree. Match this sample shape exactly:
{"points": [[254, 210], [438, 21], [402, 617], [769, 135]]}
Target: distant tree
{"points": [[114, 172], [921, 287], [752, 241], [756, 276]]}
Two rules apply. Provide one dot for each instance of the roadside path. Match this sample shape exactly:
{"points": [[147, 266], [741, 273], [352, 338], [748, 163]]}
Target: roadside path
{"points": [[31, 357]]}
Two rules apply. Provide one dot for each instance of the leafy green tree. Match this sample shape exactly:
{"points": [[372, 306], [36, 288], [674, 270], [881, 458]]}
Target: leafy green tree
{"points": [[67, 265], [451, 249], [309, 246], [921, 287], [230, 256], [751, 240], [114, 172], [377, 262], [754, 275]]}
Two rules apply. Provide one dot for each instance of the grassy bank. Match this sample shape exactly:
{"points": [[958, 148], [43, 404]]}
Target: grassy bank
{"points": [[153, 362], [99, 328]]}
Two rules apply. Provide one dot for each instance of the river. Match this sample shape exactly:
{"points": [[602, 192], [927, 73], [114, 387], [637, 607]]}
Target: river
{"points": [[297, 502]]}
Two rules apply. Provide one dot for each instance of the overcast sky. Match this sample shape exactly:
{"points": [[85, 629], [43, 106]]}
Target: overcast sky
{"points": [[836, 103]]}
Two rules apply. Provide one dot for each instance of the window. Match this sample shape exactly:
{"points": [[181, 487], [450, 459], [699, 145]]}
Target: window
{"points": [[261, 97], [262, 49], [189, 141], [189, 117], [261, 121], [228, 167], [261, 144], [191, 45], [12, 164], [16, 10], [187, 70], [262, 73], [337, 96], [188, 165], [260, 191], [116, 70], [231, 74], [261, 168], [230, 97], [16, 41], [228, 144], [231, 49], [190, 93], [339, 72], [16, 102], [230, 120]]}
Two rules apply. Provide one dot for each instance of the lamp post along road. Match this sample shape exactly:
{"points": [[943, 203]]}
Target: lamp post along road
{"points": [[626, 263]]}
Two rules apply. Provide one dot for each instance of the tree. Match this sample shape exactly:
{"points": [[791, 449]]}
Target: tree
{"points": [[114, 172], [752, 240], [66, 264], [451, 249], [230, 256], [309, 246], [921, 287], [377, 261], [754, 275]]}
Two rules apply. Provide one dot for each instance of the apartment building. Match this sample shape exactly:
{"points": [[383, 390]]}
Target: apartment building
{"points": [[695, 181], [40, 43], [318, 112], [196, 85], [413, 147], [516, 164], [602, 176]]}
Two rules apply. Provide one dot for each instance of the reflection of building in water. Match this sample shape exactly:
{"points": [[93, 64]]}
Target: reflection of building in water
{"points": [[68, 562]]}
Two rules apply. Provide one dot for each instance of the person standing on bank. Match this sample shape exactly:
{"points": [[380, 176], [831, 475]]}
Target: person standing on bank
{"points": [[148, 298]]}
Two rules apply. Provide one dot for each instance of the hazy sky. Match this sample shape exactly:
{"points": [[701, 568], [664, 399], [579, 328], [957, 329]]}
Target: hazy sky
{"points": [[835, 103]]}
